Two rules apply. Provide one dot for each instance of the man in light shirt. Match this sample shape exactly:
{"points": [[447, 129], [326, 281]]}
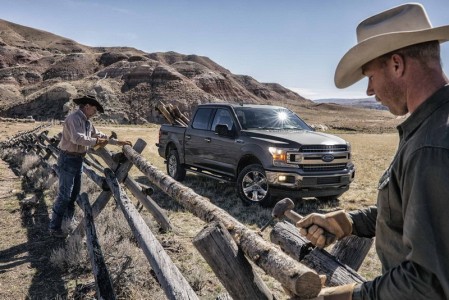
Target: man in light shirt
{"points": [[78, 135]]}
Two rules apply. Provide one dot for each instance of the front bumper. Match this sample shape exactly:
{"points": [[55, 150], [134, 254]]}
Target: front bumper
{"points": [[295, 181]]}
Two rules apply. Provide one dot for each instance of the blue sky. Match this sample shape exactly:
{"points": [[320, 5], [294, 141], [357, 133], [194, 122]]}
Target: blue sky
{"points": [[296, 43]]}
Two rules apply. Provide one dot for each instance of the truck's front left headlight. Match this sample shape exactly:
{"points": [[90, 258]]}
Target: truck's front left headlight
{"points": [[280, 157], [278, 154]]}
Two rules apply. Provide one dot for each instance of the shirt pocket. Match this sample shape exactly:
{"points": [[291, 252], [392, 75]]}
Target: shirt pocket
{"points": [[388, 201], [383, 197]]}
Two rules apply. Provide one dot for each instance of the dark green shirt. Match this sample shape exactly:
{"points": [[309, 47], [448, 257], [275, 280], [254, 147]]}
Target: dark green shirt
{"points": [[411, 219]]}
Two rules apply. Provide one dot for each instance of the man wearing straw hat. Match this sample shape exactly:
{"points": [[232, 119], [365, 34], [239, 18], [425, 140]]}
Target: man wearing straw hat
{"points": [[398, 51], [78, 135]]}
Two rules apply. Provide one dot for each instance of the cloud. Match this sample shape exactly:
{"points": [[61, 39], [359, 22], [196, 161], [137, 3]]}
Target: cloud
{"points": [[315, 94], [306, 93]]}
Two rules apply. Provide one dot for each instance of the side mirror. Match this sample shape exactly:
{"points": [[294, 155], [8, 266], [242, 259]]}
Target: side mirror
{"points": [[223, 130]]}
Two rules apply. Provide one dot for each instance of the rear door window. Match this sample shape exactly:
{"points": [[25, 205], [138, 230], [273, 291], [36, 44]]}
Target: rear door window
{"points": [[202, 118]]}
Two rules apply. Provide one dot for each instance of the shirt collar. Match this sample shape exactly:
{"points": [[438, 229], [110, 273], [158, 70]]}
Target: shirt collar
{"points": [[80, 112], [439, 98]]}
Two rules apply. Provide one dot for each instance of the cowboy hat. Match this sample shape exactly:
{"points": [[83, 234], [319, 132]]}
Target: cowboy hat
{"points": [[387, 31], [89, 99]]}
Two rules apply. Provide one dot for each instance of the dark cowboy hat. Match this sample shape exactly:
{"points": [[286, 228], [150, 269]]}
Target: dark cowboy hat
{"points": [[89, 99]]}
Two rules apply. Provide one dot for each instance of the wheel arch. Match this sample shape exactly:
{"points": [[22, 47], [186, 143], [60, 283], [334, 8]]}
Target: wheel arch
{"points": [[170, 146], [247, 160]]}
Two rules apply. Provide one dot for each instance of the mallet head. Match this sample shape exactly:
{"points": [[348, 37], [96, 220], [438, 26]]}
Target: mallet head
{"points": [[282, 206]]}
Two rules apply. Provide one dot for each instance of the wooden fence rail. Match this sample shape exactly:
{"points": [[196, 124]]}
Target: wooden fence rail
{"points": [[296, 271]]}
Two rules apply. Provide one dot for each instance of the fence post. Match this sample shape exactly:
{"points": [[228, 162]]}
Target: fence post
{"points": [[173, 283], [102, 280], [230, 264]]}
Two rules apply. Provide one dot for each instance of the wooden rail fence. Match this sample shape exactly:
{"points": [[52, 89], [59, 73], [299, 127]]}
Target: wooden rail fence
{"points": [[226, 244]]}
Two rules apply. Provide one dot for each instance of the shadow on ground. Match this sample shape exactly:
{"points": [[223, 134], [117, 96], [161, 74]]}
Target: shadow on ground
{"points": [[47, 282]]}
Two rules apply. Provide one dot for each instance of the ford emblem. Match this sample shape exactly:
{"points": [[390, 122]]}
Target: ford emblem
{"points": [[327, 158]]}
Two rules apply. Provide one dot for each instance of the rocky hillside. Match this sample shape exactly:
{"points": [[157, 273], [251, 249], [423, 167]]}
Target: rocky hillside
{"points": [[41, 72]]}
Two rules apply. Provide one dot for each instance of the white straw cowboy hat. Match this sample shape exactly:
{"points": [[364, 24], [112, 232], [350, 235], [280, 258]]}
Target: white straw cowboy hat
{"points": [[387, 31]]}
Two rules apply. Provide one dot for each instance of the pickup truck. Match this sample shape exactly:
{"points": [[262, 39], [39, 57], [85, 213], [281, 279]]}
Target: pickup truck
{"points": [[266, 150]]}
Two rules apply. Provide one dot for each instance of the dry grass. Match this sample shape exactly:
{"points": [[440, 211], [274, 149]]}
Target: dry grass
{"points": [[134, 277]]}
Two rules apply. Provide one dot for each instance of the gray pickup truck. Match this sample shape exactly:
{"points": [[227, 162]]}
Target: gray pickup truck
{"points": [[266, 150]]}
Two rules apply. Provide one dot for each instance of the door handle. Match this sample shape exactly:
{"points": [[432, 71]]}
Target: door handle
{"points": [[188, 137], [207, 140]]}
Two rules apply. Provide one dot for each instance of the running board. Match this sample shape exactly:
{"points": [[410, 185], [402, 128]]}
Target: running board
{"points": [[210, 175]]}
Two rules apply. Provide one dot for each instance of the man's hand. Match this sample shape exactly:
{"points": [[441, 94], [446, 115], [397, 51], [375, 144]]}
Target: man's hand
{"points": [[101, 142], [341, 292], [314, 225], [123, 143], [119, 143]]}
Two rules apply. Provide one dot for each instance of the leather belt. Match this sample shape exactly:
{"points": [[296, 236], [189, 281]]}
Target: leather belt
{"points": [[77, 154]]}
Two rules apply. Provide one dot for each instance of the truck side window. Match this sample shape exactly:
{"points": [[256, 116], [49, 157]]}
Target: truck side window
{"points": [[223, 116], [202, 117]]}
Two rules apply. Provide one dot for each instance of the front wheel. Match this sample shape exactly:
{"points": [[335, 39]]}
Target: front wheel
{"points": [[174, 167], [325, 199], [252, 185]]}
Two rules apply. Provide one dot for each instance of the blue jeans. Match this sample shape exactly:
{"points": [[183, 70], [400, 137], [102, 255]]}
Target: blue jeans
{"points": [[70, 169]]}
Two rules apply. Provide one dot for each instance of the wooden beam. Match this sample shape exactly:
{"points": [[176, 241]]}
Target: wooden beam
{"points": [[352, 250], [296, 277], [171, 280], [103, 281], [287, 236], [157, 212], [104, 197], [230, 264]]}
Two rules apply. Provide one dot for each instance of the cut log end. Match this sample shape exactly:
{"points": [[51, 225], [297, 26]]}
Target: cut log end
{"points": [[308, 285]]}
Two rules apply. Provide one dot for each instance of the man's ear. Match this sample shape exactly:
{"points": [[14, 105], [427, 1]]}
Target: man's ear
{"points": [[398, 64]]}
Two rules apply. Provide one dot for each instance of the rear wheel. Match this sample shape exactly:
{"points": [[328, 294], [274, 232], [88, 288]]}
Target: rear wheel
{"points": [[174, 166], [252, 186]]}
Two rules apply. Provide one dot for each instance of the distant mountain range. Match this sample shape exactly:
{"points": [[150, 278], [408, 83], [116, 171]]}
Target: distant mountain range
{"points": [[370, 103], [41, 72]]}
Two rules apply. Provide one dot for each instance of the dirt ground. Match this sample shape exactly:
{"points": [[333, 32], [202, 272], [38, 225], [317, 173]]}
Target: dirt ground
{"points": [[25, 246]]}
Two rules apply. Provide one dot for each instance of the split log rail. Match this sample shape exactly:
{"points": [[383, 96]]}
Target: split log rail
{"points": [[297, 272]]}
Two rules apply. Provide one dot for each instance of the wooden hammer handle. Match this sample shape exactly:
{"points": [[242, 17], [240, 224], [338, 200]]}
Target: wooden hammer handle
{"points": [[293, 216]]}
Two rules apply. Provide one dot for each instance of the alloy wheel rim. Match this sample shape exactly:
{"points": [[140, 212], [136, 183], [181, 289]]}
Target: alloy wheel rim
{"points": [[254, 186]]}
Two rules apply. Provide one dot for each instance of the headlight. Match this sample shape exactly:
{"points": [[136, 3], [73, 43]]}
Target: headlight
{"points": [[280, 157], [278, 154]]}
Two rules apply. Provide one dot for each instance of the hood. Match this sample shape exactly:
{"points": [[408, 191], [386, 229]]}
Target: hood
{"points": [[292, 137]]}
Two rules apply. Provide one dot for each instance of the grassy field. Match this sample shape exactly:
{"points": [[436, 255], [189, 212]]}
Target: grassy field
{"points": [[371, 155]]}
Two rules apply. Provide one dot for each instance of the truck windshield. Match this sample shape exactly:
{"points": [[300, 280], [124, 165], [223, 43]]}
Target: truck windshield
{"points": [[269, 118]]}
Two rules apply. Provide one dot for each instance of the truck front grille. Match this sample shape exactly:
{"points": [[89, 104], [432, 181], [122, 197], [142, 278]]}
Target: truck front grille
{"points": [[323, 167], [323, 148], [320, 158]]}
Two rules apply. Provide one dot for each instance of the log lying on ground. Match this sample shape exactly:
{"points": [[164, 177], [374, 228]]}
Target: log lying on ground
{"points": [[287, 236], [296, 277], [173, 283]]}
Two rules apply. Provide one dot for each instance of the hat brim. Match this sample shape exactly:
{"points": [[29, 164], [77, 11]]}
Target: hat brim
{"points": [[349, 69], [89, 100]]}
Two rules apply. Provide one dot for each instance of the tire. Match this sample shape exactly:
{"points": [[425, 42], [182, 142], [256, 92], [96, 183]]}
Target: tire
{"points": [[252, 186], [174, 167]]}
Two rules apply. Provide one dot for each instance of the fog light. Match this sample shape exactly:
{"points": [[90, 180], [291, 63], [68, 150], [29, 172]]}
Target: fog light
{"points": [[282, 178]]}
